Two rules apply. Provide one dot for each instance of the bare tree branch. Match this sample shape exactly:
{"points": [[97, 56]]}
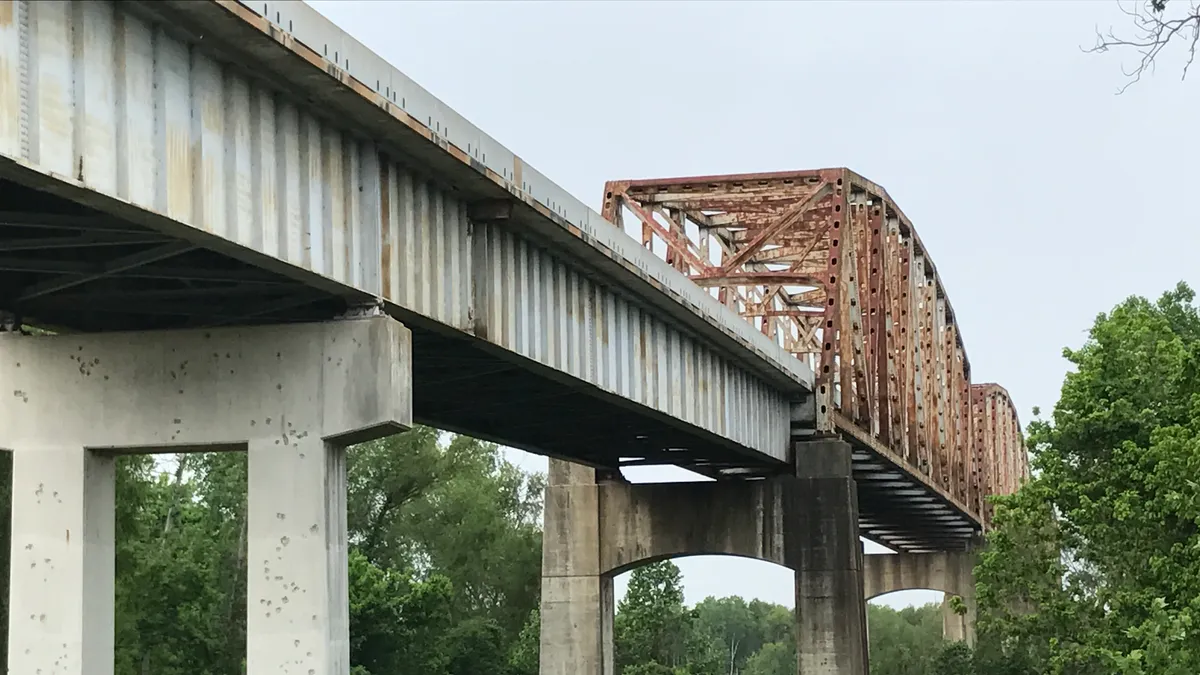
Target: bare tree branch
{"points": [[1156, 24]]}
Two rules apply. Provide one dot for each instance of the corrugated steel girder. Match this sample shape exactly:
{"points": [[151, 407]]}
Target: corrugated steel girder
{"points": [[98, 98]]}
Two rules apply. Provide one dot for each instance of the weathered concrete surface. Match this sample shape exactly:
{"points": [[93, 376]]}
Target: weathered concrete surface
{"points": [[644, 523], [596, 530], [294, 395], [577, 599], [832, 636], [952, 573]]}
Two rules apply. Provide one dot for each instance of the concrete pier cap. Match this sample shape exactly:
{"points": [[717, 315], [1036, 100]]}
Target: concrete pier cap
{"points": [[292, 396], [178, 390]]}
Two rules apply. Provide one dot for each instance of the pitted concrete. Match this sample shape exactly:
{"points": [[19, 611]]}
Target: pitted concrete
{"points": [[294, 396]]}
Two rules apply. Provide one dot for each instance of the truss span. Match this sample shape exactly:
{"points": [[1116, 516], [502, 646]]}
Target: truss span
{"points": [[827, 265]]}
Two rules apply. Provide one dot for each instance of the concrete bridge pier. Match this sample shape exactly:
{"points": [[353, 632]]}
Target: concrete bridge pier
{"points": [[292, 396], [952, 572], [597, 529]]}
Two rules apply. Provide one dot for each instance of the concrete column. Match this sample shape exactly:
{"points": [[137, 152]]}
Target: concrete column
{"points": [[824, 543], [959, 627], [61, 595], [577, 599], [294, 395], [297, 595]]}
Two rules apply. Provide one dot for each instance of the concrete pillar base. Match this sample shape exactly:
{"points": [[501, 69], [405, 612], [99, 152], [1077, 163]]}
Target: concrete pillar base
{"points": [[577, 599], [831, 616], [294, 395], [958, 627], [61, 594], [297, 596]]}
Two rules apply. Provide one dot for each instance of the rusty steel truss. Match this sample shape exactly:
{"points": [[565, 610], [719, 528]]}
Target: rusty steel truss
{"points": [[825, 263]]}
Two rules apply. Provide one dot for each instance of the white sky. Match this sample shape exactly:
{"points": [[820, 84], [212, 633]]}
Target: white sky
{"points": [[1042, 197]]}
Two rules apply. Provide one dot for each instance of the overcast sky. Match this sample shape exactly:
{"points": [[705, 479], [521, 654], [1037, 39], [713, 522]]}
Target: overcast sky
{"points": [[1042, 197]]}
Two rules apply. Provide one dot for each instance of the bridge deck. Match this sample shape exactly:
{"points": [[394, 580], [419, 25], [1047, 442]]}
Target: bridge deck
{"points": [[826, 263], [204, 163]]}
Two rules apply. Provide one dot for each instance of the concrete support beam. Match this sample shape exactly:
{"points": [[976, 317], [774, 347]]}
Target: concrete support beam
{"points": [[62, 562], [297, 593], [577, 598], [951, 572], [295, 396], [823, 538], [958, 627], [596, 530]]}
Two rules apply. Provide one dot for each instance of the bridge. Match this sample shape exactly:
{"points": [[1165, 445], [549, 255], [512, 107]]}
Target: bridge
{"points": [[245, 182]]}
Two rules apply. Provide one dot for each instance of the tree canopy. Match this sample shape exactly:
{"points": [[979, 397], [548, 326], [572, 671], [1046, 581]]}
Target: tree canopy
{"points": [[1094, 566]]}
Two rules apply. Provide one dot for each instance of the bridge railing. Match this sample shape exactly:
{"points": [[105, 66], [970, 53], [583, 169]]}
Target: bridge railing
{"points": [[828, 266]]}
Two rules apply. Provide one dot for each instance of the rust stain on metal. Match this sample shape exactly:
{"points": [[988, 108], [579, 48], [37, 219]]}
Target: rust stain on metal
{"points": [[385, 228], [828, 264]]}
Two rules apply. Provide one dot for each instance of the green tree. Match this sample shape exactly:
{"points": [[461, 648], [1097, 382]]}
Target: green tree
{"points": [[729, 631], [476, 645], [778, 623], [955, 658], [461, 510], [180, 591], [1094, 566], [652, 624], [774, 658], [397, 622], [650, 668], [904, 641], [524, 654]]}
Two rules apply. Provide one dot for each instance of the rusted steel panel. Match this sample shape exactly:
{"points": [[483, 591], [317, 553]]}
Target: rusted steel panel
{"points": [[962, 422], [944, 440], [880, 354], [855, 305], [888, 354], [998, 428], [921, 367], [907, 347], [829, 381]]}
